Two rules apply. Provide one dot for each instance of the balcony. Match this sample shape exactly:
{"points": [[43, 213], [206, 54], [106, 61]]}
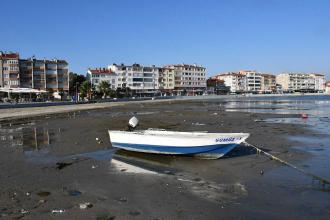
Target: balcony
{"points": [[51, 86], [62, 80], [51, 79], [51, 72], [62, 66], [38, 72], [51, 66], [38, 79], [148, 75], [148, 69]]}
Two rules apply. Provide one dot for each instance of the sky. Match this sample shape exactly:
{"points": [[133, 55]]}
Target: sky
{"points": [[272, 36]]}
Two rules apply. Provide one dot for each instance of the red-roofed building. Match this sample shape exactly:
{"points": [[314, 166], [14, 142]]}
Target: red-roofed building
{"points": [[97, 75]]}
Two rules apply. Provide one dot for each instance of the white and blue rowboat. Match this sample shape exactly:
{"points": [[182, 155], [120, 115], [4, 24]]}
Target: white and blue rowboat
{"points": [[203, 144]]}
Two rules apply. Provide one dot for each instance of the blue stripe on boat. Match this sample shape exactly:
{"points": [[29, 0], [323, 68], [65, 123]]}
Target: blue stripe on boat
{"points": [[218, 148]]}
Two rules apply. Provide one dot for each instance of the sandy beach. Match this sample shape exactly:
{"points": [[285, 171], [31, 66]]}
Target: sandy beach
{"points": [[59, 164]]}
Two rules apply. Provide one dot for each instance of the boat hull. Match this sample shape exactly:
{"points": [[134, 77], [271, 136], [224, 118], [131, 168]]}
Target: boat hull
{"points": [[160, 149], [206, 145]]}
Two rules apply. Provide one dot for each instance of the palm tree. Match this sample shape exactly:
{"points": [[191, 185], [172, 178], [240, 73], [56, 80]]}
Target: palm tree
{"points": [[85, 89], [104, 88]]}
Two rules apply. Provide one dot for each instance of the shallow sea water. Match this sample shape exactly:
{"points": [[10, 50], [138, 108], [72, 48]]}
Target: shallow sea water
{"points": [[318, 110]]}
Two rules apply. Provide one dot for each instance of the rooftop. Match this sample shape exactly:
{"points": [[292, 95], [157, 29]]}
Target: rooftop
{"points": [[100, 71], [184, 65], [229, 74], [9, 55]]}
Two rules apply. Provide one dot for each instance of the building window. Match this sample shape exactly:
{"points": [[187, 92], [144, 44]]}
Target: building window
{"points": [[14, 83]]}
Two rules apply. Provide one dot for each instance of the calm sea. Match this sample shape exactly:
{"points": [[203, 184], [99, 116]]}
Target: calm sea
{"points": [[318, 110]]}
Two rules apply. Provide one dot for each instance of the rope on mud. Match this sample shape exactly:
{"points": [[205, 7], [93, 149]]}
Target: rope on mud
{"points": [[323, 181]]}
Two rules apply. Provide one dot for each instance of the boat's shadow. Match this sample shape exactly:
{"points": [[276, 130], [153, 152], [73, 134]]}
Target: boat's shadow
{"points": [[242, 150], [238, 151]]}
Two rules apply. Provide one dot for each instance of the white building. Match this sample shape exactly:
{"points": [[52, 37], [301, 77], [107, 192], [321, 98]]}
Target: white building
{"points": [[319, 82], [248, 81], [149, 79], [235, 81], [301, 82], [252, 80], [96, 76], [140, 79]]}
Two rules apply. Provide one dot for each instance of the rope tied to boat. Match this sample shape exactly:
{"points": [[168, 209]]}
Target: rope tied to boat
{"points": [[322, 180]]}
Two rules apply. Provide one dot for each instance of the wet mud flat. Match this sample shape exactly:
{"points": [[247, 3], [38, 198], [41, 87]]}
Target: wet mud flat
{"points": [[62, 166]]}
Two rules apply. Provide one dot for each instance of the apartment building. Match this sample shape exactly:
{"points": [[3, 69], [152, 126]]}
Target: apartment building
{"points": [[166, 79], [248, 81], [9, 70], [49, 75], [189, 78], [268, 83], [299, 82], [140, 79], [96, 76], [235, 81], [252, 80], [319, 82]]}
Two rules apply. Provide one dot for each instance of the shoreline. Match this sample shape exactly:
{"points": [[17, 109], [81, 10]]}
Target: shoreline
{"points": [[14, 113]]}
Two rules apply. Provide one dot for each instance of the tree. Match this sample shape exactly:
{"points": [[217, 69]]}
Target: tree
{"points": [[61, 93], [119, 92], [75, 82], [104, 88], [128, 92], [86, 89], [44, 96], [14, 96]]}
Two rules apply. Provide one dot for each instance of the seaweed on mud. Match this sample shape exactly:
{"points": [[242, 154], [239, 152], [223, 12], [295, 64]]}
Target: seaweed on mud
{"points": [[169, 126], [62, 165], [43, 193], [105, 218]]}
